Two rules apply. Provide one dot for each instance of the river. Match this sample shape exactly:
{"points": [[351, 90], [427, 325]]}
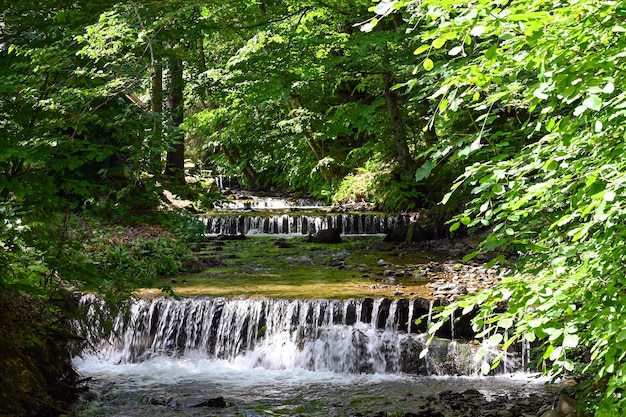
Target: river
{"points": [[260, 355]]}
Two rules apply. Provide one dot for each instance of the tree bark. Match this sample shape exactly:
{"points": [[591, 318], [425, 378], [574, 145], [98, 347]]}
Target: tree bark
{"points": [[175, 161], [248, 171], [398, 129], [157, 107]]}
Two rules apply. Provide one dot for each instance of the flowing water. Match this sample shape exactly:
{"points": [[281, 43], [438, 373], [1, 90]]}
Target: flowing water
{"points": [[288, 357], [277, 357], [252, 214], [304, 223]]}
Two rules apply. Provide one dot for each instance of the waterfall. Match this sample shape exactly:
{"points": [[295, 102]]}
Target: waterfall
{"points": [[347, 336], [303, 224]]}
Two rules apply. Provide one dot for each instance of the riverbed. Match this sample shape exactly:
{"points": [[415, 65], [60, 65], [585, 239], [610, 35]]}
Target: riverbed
{"points": [[281, 326], [168, 387]]}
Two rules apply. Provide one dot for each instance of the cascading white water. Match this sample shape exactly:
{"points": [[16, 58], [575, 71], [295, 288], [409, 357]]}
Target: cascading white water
{"points": [[345, 336], [252, 202], [276, 357], [303, 224]]}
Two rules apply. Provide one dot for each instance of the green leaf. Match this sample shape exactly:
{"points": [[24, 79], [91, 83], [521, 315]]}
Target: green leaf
{"points": [[471, 255], [425, 170], [608, 88], [505, 323], [593, 103], [530, 336], [556, 353], [384, 7], [570, 341], [455, 51], [423, 353], [421, 49], [446, 197], [485, 368], [439, 43], [428, 64], [568, 365], [609, 195], [478, 30]]}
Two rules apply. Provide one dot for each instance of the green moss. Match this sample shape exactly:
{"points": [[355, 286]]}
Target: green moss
{"points": [[256, 267]]}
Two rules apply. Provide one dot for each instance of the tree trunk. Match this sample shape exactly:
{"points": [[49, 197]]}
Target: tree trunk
{"points": [[175, 161], [318, 152], [398, 129], [157, 109], [248, 171]]}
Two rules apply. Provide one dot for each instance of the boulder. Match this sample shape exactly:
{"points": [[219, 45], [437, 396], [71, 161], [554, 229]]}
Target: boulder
{"points": [[284, 244], [232, 237], [217, 402], [410, 233], [331, 235]]}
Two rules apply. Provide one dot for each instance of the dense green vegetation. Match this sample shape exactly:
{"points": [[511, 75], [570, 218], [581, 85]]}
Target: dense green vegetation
{"points": [[542, 85], [509, 111]]}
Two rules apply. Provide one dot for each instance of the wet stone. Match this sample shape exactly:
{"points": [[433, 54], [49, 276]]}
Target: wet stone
{"points": [[217, 402], [160, 399]]}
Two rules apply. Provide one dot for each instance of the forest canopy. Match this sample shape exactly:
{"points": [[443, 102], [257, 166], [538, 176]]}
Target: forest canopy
{"points": [[497, 115]]}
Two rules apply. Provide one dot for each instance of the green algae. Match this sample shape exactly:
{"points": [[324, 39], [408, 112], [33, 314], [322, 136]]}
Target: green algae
{"points": [[266, 266]]}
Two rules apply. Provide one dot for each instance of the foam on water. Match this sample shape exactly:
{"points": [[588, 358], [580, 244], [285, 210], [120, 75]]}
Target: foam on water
{"points": [[275, 357], [131, 389]]}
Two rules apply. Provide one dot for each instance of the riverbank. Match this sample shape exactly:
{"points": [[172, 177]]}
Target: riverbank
{"points": [[36, 375]]}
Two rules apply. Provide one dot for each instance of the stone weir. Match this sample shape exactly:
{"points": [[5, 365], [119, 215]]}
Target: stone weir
{"points": [[305, 224], [347, 336]]}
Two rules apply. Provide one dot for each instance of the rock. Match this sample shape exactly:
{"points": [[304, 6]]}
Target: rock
{"points": [[552, 413], [339, 262], [231, 237], [331, 235], [424, 411], [567, 405], [282, 243], [411, 233], [160, 399], [381, 246], [382, 263], [210, 403]]}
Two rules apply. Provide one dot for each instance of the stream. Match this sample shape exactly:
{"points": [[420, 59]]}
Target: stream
{"points": [[264, 356]]}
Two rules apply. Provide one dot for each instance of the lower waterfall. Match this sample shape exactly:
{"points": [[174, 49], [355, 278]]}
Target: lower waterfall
{"points": [[343, 336], [203, 356]]}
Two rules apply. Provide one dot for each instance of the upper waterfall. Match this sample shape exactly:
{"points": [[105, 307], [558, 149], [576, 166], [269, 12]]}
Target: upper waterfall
{"points": [[305, 223]]}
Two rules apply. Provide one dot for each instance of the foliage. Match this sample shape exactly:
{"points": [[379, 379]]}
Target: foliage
{"points": [[300, 97], [518, 104], [36, 379], [542, 82], [354, 187]]}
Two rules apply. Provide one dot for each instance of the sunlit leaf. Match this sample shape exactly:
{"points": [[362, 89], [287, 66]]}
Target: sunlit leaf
{"points": [[593, 103], [477, 30], [455, 51], [570, 341], [439, 43]]}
